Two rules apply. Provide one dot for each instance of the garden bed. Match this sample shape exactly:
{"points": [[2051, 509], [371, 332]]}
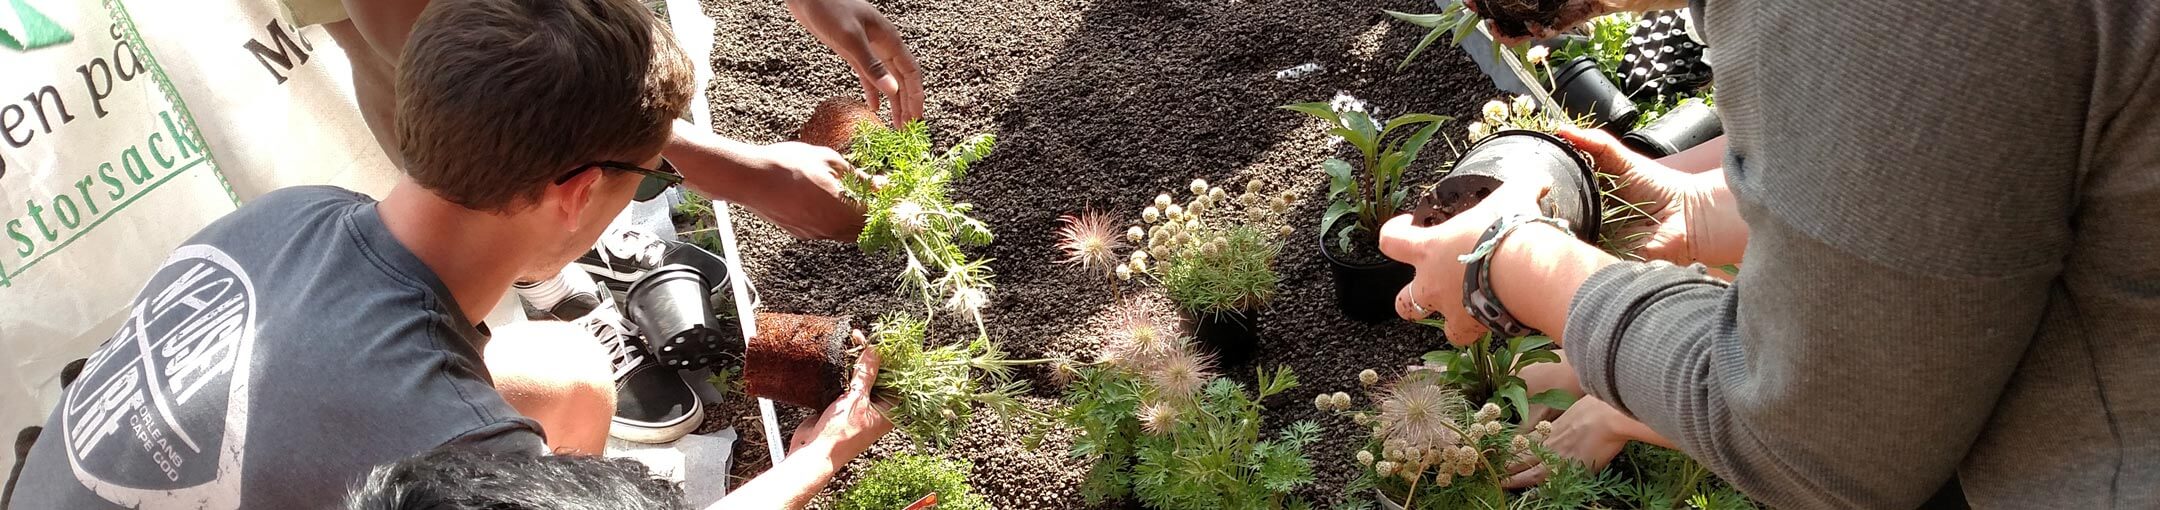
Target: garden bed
{"points": [[1097, 104]]}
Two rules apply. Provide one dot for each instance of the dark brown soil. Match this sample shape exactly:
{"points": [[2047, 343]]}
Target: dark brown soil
{"points": [[1513, 18], [1100, 103], [799, 360]]}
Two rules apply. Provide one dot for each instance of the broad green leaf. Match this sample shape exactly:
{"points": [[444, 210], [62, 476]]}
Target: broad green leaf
{"points": [[1317, 109], [1529, 343], [1335, 212], [1363, 125], [1345, 237], [1423, 20], [1533, 358], [1416, 143], [1555, 398], [1437, 323], [1412, 118], [1512, 395], [1442, 358], [1363, 144], [1464, 26], [1340, 179]]}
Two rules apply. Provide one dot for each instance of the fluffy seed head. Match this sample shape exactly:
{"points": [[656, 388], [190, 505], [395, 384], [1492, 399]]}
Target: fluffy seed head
{"points": [[968, 303], [1368, 377], [1151, 214], [1162, 201], [1063, 372], [1175, 211], [1488, 413], [1198, 187], [1158, 417], [1340, 400], [1323, 402], [1416, 411], [1216, 194], [1135, 234], [1364, 458], [1180, 373], [1123, 272], [880, 181], [1090, 241]]}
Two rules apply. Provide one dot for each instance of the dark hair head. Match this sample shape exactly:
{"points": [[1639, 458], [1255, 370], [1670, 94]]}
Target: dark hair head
{"points": [[466, 479]]}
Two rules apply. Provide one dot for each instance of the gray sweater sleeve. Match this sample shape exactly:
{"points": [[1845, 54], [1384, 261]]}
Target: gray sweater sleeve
{"points": [[1909, 173]]}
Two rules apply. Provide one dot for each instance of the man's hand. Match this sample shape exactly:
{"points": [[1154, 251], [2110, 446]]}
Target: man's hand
{"points": [[1686, 223], [1589, 432], [1435, 252], [871, 46], [793, 185], [851, 423]]}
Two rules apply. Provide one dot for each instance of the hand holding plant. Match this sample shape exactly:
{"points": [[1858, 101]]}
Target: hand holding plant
{"points": [[910, 213], [932, 391], [1690, 217]]}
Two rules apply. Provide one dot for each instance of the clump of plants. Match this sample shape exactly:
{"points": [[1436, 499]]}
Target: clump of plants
{"points": [[911, 214], [1093, 245], [1214, 254], [901, 481], [933, 390], [1605, 43], [1488, 371], [1372, 189], [1161, 428], [1430, 448]]}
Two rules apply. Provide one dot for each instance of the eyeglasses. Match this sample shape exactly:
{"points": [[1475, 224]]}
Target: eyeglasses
{"points": [[657, 180]]}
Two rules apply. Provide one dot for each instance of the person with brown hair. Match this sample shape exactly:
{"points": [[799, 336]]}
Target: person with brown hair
{"points": [[315, 332]]}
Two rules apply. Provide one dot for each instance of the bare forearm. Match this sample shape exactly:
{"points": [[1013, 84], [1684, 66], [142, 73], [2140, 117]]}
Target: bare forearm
{"points": [[718, 166], [1716, 232], [789, 484], [1536, 272]]}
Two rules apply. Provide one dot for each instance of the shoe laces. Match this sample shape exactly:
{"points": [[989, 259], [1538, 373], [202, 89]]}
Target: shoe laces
{"points": [[625, 351]]}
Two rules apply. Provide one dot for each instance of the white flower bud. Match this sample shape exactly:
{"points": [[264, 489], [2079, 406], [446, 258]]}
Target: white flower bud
{"points": [[1174, 211], [1488, 413], [1139, 265], [1151, 214], [1364, 458], [1368, 377], [1124, 272], [907, 217], [1199, 186], [1162, 201], [1135, 234], [1495, 111]]}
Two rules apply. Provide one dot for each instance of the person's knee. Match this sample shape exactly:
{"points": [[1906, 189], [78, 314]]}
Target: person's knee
{"points": [[549, 368]]}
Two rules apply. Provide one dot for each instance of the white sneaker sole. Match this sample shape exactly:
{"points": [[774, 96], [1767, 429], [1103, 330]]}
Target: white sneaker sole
{"points": [[657, 433]]}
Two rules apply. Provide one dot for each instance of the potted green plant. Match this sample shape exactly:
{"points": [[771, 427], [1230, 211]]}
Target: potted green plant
{"points": [[1214, 257], [1159, 427], [1364, 194]]}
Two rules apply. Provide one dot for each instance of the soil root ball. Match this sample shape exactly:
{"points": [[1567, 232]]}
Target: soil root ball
{"points": [[797, 359]]}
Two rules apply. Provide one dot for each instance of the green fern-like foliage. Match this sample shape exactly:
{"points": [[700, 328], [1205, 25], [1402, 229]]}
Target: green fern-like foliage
{"points": [[1213, 456], [910, 213], [933, 390], [896, 482]]}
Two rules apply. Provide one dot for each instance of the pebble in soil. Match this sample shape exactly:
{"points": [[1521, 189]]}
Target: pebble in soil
{"points": [[1097, 103]]}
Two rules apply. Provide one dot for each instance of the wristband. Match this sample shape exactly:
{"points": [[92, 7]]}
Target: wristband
{"points": [[1478, 293]]}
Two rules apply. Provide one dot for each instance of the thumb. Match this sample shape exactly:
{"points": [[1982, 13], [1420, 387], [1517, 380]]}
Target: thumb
{"points": [[1401, 239]]}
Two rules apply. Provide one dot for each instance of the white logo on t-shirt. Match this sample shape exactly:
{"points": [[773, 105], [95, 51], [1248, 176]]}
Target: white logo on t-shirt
{"points": [[159, 414]]}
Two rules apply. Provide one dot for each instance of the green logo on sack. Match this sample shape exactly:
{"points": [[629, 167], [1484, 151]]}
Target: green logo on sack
{"points": [[38, 31]]}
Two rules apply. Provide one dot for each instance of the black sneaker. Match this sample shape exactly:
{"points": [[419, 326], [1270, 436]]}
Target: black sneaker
{"points": [[622, 256], [566, 297], [653, 404]]}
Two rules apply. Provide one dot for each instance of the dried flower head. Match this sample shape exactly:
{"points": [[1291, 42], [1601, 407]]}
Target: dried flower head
{"points": [[1368, 377], [1216, 194], [1340, 400], [1137, 265], [1135, 234], [1323, 402], [1488, 413], [1180, 373], [1544, 428], [1162, 201], [1089, 241], [1063, 372], [1139, 341], [1384, 468], [1495, 111], [1361, 418], [1468, 460], [1151, 214], [1519, 443], [1198, 187], [1252, 186], [1174, 211], [1364, 458], [1158, 417], [1416, 411], [1123, 272]]}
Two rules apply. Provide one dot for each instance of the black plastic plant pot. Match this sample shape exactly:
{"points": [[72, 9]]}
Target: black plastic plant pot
{"points": [[1683, 128], [670, 307], [1583, 90], [1233, 338], [1365, 291], [1516, 152]]}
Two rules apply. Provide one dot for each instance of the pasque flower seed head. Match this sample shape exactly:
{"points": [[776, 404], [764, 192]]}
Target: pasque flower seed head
{"points": [[1158, 417], [1089, 241]]}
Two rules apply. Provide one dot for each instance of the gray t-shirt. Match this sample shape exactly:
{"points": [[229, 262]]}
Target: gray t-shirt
{"points": [[271, 361], [1951, 269]]}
